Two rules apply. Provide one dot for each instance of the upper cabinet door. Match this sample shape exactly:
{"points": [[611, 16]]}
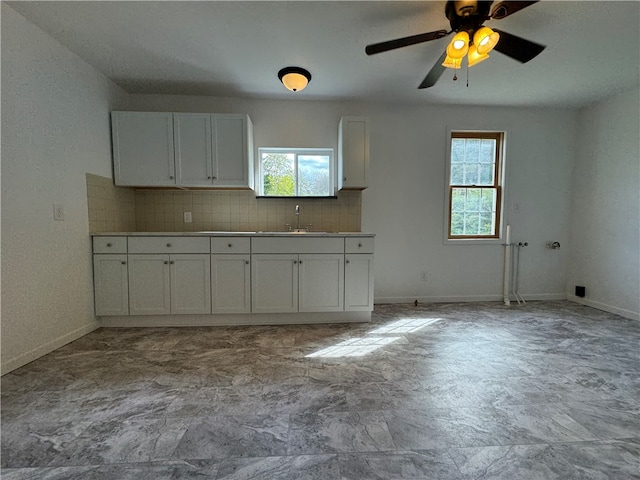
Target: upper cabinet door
{"points": [[233, 150], [353, 153], [143, 153], [192, 138]]}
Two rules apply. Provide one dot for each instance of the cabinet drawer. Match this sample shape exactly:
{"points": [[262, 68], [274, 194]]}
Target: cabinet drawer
{"points": [[297, 245], [169, 245], [230, 245], [358, 245], [109, 244]]}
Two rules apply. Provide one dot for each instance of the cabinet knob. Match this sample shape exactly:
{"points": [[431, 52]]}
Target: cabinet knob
{"points": [[230, 245], [344, 179], [246, 262], [209, 177], [168, 244], [346, 261], [172, 262], [108, 244], [359, 245], [213, 178], [300, 262], [166, 262], [123, 262], [295, 262], [170, 177]]}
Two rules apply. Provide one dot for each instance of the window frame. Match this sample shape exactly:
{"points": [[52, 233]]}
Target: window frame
{"points": [[296, 152], [498, 186]]}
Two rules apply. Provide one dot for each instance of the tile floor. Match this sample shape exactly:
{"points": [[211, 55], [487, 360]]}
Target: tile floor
{"points": [[550, 390]]}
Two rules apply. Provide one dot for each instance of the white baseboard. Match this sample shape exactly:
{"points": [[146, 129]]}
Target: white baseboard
{"points": [[605, 307], [48, 347], [470, 298]]}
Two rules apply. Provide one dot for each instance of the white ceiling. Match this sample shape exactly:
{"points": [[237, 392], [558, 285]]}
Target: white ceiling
{"points": [[236, 48]]}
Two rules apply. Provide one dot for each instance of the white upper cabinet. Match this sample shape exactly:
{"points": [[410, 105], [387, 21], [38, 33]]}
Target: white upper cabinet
{"points": [[353, 153], [203, 149], [232, 150], [143, 152], [192, 139]]}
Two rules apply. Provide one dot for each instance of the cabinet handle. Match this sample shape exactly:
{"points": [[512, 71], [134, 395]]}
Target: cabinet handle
{"points": [[123, 262], [168, 244], [166, 262], [230, 245], [108, 244]]}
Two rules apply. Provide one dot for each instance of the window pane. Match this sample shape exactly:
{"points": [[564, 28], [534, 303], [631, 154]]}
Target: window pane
{"points": [[473, 211], [457, 150], [487, 151], [457, 174], [278, 174], [486, 174], [313, 175], [470, 174]]}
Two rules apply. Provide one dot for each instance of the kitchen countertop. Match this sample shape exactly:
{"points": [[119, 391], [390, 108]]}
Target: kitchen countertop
{"points": [[233, 234]]}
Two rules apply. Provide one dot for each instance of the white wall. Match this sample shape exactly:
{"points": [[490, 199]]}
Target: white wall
{"points": [[404, 204], [55, 127], [605, 228]]}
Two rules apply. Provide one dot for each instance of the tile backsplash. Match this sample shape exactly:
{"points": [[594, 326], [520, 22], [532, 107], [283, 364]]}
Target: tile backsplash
{"points": [[111, 209], [155, 210]]}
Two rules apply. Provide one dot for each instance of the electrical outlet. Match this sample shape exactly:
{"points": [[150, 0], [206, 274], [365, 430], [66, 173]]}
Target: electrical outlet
{"points": [[58, 212], [423, 276], [187, 217]]}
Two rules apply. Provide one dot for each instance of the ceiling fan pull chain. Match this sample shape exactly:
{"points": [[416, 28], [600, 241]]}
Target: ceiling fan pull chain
{"points": [[467, 75]]}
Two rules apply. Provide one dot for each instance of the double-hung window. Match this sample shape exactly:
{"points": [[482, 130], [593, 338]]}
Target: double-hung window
{"points": [[296, 172], [475, 181]]}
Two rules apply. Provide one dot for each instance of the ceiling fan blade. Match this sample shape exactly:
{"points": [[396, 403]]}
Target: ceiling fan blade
{"points": [[504, 9], [404, 42], [517, 48], [435, 73]]}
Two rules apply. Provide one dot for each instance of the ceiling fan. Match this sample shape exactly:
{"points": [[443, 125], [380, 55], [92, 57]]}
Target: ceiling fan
{"points": [[472, 38]]}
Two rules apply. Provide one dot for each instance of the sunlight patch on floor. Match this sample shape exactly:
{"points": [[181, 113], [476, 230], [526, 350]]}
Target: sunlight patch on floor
{"points": [[404, 325]]}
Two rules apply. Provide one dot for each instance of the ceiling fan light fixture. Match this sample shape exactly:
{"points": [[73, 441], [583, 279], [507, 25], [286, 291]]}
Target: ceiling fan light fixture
{"points": [[485, 40], [474, 58], [454, 63], [294, 78], [459, 45]]}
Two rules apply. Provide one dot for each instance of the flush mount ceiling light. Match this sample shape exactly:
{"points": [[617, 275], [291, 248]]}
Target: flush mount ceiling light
{"points": [[294, 78]]}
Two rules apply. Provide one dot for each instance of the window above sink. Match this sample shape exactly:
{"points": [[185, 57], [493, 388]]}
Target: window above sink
{"points": [[296, 172]]}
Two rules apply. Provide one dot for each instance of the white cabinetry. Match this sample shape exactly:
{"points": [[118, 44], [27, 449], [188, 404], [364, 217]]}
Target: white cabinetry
{"points": [[162, 283], [182, 149], [110, 275], [230, 275], [213, 150], [353, 153], [307, 279], [111, 284], [358, 274], [143, 152]]}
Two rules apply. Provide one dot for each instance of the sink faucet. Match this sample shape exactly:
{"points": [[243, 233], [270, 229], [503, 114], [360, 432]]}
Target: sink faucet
{"points": [[298, 216]]}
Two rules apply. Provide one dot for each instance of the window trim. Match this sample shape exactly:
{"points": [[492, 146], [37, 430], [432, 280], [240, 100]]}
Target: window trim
{"points": [[297, 152], [499, 177]]}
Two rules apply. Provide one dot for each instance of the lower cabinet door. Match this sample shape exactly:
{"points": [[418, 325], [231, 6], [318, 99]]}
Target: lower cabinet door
{"points": [[274, 283], [321, 283], [231, 283], [149, 285], [358, 282], [111, 285], [190, 283]]}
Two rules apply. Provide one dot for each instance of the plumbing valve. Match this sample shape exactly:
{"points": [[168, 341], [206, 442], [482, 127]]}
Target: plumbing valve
{"points": [[553, 245]]}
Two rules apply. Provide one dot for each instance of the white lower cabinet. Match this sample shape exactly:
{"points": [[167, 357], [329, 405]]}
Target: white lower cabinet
{"points": [[274, 283], [287, 283], [358, 282], [230, 283], [321, 283], [169, 284], [111, 284]]}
